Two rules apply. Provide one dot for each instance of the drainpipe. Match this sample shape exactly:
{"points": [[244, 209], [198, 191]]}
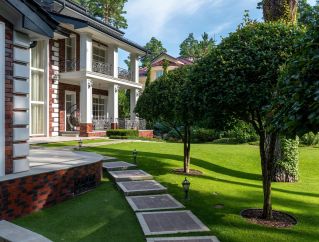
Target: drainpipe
{"points": [[2, 99]]}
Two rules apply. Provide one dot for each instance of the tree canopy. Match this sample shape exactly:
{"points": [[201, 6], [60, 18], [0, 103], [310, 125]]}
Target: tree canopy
{"points": [[195, 49], [110, 11], [154, 47]]}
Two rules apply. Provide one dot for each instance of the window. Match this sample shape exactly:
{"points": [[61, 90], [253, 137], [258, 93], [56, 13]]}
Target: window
{"points": [[159, 74], [70, 54], [99, 53], [37, 83], [99, 107]]}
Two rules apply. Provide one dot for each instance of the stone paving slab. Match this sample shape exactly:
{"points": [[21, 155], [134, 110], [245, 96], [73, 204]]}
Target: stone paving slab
{"points": [[170, 222], [14, 233], [130, 175], [185, 239], [134, 188], [109, 158], [118, 166], [153, 202]]}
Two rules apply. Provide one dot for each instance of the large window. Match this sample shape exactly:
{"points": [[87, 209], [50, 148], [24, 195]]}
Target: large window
{"points": [[99, 107], [70, 54], [99, 53], [37, 83]]}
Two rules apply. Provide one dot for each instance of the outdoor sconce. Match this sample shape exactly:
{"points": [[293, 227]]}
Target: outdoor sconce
{"points": [[186, 184], [134, 153], [80, 143]]}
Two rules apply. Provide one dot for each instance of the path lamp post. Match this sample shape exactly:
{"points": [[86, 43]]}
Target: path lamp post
{"points": [[80, 143], [134, 153], [186, 184]]}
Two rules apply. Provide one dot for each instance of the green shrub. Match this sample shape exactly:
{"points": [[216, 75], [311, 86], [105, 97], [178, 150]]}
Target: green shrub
{"points": [[242, 133], [201, 135], [310, 139], [122, 133], [226, 141]]}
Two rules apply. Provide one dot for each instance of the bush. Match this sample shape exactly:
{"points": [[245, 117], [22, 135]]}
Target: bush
{"points": [[226, 141], [201, 135], [122, 133], [310, 139], [242, 133]]}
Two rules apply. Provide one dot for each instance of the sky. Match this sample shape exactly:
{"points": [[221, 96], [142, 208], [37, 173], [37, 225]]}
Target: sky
{"points": [[172, 20]]}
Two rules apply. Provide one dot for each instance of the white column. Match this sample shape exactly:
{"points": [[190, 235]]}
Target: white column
{"points": [[134, 95], [86, 51], [135, 68], [113, 59], [86, 101], [2, 98], [113, 103]]}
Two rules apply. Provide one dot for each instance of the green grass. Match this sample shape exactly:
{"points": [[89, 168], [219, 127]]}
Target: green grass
{"points": [[233, 171], [100, 215], [72, 143]]}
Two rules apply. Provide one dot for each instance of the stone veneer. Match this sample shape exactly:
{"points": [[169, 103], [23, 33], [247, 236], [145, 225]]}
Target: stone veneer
{"points": [[54, 88], [25, 195]]}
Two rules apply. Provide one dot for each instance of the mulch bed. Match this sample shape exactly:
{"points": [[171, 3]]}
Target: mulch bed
{"points": [[180, 171], [280, 219]]}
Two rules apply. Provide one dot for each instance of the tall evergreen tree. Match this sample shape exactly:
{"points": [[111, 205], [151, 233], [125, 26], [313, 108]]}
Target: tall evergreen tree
{"points": [[110, 11]]}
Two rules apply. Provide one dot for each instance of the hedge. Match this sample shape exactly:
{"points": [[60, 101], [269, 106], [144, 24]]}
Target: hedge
{"points": [[122, 133]]}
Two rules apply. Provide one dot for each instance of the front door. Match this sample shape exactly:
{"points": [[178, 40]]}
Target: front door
{"points": [[70, 110]]}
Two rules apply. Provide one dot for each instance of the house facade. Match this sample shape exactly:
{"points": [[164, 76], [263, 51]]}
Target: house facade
{"points": [[157, 69], [59, 74]]}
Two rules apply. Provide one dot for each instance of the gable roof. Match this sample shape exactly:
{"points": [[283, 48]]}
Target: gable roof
{"points": [[176, 61]]}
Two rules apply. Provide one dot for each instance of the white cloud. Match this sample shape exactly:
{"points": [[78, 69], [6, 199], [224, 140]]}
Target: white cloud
{"points": [[151, 16]]}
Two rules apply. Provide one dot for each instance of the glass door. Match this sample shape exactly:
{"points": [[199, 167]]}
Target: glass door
{"points": [[70, 110]]}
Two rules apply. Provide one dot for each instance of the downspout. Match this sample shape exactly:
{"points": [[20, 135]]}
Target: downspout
{"points": [[2, 99]]}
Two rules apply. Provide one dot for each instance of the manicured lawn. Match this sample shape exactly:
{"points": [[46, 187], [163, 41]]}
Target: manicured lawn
{"points": [[99, 215], [72, 143], [231, 171]]}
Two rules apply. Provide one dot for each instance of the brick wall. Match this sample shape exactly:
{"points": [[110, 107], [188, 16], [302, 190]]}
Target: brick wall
{"points": [[23, 196], [146, 133], [67, 87], [9, 96]]}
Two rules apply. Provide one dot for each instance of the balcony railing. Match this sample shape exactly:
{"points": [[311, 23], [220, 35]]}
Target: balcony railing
{"points": [[97, 66], [103, 68]]}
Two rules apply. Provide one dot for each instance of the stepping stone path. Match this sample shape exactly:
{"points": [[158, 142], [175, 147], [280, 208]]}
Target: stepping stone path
{"points": [[130, 175], [118, 165], [153, 202], [146, 198], [141, 187]]}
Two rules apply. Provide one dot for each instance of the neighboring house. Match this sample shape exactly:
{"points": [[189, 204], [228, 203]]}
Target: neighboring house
{"points": [[157, 66], [59, 72]]}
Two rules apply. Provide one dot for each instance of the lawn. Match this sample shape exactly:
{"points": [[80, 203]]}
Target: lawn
{"points": [[72, 143], [230, 171]]}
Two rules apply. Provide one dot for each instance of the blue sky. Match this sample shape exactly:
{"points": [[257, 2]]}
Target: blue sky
{"points": [[172, 20]]}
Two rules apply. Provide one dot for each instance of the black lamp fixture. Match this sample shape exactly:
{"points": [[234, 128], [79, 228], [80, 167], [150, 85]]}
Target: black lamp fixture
{"points": [[80, 143], [134, 153], [186, 184]]}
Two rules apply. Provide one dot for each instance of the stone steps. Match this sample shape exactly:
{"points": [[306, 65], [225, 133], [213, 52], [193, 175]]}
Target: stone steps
{"points": [[118, 166], [185, 239], [134, 188], [130, 175]]}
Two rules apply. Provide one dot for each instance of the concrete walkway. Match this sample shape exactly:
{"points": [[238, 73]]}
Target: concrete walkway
{"points": [[157, 213]]}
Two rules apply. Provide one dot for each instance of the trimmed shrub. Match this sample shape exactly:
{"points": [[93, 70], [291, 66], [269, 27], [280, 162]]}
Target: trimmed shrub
{"points": [[201, 135], [310, 139], [242, 133], [226, 141], [122, 133]]}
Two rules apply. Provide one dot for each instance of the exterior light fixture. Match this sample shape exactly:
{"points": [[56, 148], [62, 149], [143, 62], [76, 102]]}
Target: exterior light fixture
{"points": [[134, 153], [80, 143], [186, 184]]}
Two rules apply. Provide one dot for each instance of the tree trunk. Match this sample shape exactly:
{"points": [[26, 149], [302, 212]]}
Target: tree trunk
{"points": [[187, 148], [268, 144], [285, 10]]}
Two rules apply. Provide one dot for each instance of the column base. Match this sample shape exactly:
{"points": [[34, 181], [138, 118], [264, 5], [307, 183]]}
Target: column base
{"points": [[114, 125], [85, 130]]}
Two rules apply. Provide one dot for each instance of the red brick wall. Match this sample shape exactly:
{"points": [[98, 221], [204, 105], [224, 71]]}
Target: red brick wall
{"points": [[146, 133], [8, 96], [23, 196], [67, 87]]}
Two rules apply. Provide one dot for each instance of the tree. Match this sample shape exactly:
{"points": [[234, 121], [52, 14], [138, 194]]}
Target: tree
{"points": [[124, 103], [110, 11], [239, 78], [284, 10], [154, 48], [307, 13], [169, 100], [297, 103], [195, 49]]}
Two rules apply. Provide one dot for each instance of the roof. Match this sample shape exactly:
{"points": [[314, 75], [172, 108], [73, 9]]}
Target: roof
{"points": [[177, 61], [79, 23]]}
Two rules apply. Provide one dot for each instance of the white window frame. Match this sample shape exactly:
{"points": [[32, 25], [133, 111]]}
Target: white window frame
{"points": [[65, 51], [99, 46], [105, 104]]}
